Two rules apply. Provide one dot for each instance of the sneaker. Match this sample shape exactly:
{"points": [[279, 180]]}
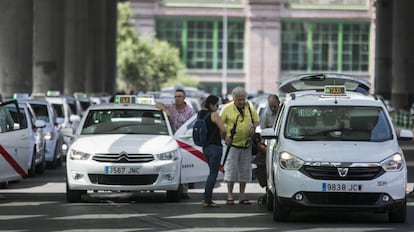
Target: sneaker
{"points": [[209, 205]]}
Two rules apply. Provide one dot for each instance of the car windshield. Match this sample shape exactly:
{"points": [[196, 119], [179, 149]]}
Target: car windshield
{"points": [[339, 123], [125, 121]]}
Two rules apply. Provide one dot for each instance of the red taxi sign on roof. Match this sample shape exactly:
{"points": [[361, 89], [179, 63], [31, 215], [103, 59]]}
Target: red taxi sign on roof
{"points": [[335, 90]]}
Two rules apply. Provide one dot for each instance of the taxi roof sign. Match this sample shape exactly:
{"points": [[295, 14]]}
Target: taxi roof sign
{"points": [[125, 99], [21, 96], [335, 90], [146, 99], [133, 99]]}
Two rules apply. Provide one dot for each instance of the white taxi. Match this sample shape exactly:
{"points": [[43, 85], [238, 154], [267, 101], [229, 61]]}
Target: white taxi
{"points": [[334, 147], [124, 146], [15, 156]]}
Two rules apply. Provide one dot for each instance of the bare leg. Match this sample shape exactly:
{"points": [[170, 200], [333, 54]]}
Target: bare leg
{"points": [[230, 185], [242, 190]]}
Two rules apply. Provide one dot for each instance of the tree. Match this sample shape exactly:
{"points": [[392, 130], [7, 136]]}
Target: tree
{"points": [[144, 63]]}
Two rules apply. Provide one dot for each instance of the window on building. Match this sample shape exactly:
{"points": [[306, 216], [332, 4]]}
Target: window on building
{"points": [[200, 41], [325, 46]]}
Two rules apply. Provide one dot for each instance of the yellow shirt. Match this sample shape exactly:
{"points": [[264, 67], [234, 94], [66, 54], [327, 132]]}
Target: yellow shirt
{"points": [[229, 114]]}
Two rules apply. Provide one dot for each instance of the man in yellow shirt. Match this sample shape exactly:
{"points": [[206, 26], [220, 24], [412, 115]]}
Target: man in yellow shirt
{"points": [[243, 116]]}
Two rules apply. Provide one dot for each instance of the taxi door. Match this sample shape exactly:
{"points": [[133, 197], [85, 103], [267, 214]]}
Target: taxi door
{"points": [[194, 167], [14, 149]]}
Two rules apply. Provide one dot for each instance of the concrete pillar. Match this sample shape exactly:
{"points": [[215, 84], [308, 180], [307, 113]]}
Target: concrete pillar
{"points": [[383, 50], [96, 65], [402, 55], [16, 35], [48, 45], [262, 41], [111, 33], [76, 31]]}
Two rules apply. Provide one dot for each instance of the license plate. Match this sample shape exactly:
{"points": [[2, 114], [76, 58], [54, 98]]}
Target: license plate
{"points": [[342, 187], [116, 170]]}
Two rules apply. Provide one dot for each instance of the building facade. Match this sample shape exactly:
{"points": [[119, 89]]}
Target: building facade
{"points": [[267, 40]]}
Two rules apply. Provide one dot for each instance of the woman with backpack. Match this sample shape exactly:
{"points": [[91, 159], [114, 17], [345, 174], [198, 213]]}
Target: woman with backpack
{"points": [[214, 148]]}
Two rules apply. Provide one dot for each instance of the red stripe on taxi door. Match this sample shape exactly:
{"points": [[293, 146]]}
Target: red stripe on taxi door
{"points": [[12, 162], [195, 152]]}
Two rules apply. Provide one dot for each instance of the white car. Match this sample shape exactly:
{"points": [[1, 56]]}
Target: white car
{"points": [[334, 147], [15, 159], [52, 135], [123, 146], [35, 140], [65, 117]]}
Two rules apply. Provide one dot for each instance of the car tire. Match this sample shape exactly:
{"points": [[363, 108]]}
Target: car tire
{"points": [[32, 170], [269, 199], [174, 195], [280, 213], [398, 214], [74, 196], [40, 168]]}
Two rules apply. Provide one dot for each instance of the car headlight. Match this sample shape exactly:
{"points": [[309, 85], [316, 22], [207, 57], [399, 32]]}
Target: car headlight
{"points": [[289, 161], [48, 135], [172, 155], [393, 163], [78, 155]]}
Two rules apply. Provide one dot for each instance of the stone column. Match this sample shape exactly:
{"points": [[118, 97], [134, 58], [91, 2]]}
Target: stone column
{"points": [[383, 48], [402, 55], [16, 36], [95, 69], [76, 28], [48, 45], [111, 33], [263, 45]]}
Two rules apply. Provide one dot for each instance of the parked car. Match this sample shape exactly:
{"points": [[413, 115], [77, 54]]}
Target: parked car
{"points": [[52, 132], [334, 147], [127, 146], [32, 142], [15, 157]]}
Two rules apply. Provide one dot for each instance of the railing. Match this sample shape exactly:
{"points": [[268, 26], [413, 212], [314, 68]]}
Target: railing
{"points": [[202, 3], [329, 4]]}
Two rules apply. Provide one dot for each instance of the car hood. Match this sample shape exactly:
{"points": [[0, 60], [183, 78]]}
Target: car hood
{"points": [[152, 144], [340, 151]]}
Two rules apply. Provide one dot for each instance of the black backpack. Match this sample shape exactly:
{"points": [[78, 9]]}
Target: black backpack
{"points": [[200, 130]]}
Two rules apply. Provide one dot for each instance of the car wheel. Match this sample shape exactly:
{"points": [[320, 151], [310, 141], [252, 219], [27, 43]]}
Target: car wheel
{"points": [[398, 214], [174, 195], [40, 168], [74, 196], [269, 199], [280, 213], [32, 170]]}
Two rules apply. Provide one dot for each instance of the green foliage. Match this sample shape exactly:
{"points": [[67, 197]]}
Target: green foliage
{"points": [[144, 64]]}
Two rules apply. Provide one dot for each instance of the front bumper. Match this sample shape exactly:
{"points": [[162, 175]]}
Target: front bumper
{"points": [[156, 175], [377, 202]]}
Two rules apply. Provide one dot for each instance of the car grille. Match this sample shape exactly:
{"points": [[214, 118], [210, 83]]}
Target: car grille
{"points": [[123, 179], [331, 173], [124, 158], [342, 198]]}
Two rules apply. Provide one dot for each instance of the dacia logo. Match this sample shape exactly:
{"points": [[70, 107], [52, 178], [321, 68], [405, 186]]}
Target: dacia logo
{"points": [[343, 171]]}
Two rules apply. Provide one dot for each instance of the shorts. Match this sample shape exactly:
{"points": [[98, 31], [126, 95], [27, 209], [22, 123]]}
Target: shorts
{"points": [[238, 167]]}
